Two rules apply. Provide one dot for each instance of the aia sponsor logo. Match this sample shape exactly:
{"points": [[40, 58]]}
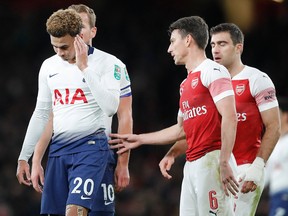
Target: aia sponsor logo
{"points": [[194, 82], [69, 96], [240, 89]]}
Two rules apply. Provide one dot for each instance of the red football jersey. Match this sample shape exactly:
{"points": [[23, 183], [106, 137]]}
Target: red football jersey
{"points": [[254, 93], [207, 84]]}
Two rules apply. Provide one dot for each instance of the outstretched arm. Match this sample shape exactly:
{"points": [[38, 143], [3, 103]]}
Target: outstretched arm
{"points": [[168, 135]]}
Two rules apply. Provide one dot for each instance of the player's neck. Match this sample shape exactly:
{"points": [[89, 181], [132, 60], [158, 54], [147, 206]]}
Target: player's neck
{"points": [[194, 61], [236, 68]]}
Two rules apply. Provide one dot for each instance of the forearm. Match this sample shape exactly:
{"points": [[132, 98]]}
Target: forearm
{"points": [[166, 136], [43, 142], [228, 135], [269, 140], [125, 125], [35, 128], [179, 148], [272, 124], [108, 100]]}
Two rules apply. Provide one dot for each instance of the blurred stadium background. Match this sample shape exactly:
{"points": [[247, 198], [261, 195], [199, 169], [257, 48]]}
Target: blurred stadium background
{"points": [[136, 32]]}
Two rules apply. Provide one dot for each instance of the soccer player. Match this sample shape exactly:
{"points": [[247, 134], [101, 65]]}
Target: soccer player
{"points": [[124, 114], [207, 117], [82, 85], [277, 166], [257, 114]]}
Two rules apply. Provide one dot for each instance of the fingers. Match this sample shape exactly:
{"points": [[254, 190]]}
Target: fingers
{"points": [[35, 182], [248, 186], [121, 179], [24, 178], [165, 166], [230, 185], [23, 173], [116, 143], [119, 136], [122, 150], [165, 173]]}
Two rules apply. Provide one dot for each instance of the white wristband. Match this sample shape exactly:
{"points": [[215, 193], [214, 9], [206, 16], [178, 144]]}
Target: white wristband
{"points": [[255, 171]]}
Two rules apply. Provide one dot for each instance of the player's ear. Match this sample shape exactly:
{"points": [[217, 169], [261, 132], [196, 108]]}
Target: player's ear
{"points": [[93, 31], [81, 35], [239, 47]]}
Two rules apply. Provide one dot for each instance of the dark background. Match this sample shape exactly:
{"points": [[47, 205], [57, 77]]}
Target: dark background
{"points": [[136, 32]]}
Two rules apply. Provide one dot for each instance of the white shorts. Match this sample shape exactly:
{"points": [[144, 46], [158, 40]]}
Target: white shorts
{"points": [[246, 204], [201, 192]]}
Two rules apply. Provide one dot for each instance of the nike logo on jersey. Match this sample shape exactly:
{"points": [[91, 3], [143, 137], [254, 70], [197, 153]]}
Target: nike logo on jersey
{"points": [[85, 198], [51, 75], [214, 213], [217, 69], [108, 203]]}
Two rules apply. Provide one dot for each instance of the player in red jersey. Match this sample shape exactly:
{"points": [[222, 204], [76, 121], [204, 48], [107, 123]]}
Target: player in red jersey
{"points": [[207, 117], [257, 113]]}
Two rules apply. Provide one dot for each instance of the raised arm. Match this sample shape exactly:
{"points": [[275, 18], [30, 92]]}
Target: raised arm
{"points": [[104, 88]]}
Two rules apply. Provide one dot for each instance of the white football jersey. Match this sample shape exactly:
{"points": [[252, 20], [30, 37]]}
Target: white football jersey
{"points": [[125, 91], [76, 111], [277, 166]]}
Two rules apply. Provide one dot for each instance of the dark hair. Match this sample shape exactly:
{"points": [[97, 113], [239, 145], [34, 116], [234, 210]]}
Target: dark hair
{"points": [[193, 25], [64, 22], [236, 34], [81, 8]]}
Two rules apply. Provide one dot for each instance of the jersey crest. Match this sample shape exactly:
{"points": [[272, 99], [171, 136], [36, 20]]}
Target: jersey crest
{"points": [[194, 82], [117, 72], [240, 89]]}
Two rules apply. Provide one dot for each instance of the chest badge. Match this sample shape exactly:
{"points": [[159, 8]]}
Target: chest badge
{"points": [[194, 82], [240, 89]]}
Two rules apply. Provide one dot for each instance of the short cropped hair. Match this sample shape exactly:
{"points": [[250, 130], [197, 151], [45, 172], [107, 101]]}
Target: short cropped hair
{"points": [[81, 8], [235, 32], [64, 22], [193, 25]]}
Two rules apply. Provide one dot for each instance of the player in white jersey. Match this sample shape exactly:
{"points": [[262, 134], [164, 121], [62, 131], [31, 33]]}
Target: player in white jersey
{"points": [[124, 114], [82, 89], [277, 167], [257, 113], [207, 118]]}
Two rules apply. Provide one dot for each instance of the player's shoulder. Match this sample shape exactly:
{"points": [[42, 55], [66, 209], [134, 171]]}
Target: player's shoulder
{"points": [[210, 68], [102, 55], [52, 61], [254, 73]]}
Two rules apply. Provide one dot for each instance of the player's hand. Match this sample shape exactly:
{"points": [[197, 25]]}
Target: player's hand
{"points": [[23, 173], [252, 176], [229, 182], [37, 177], [81, 52], [124, 142], [165, 165], [121, 177]]}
